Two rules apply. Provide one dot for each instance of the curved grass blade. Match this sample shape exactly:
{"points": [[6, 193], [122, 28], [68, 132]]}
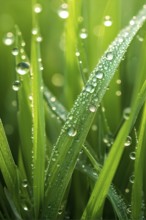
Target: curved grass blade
{"points": [[38, 129], [79, 120], [137, 189], [94, 207]]}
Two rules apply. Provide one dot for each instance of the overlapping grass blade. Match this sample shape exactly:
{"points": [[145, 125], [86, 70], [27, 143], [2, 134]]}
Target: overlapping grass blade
{"points": [[24, 108], [74, 132], [137, 189], [38, 129], [97, 198]]}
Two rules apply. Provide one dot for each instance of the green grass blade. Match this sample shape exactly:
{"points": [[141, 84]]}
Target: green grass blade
{"points": [[38, 132], [97, 198], [79, 120], [7, 164], [137, 189]]}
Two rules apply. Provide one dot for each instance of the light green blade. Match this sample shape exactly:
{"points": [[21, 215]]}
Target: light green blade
{"points": [[74, 132], [38, 124], [137, 189], [94, 207]]}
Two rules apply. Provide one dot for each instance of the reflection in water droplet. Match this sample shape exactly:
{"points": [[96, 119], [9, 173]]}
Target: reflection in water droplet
{"points": [[63, 11], [132, 155], [15, 51], [37, 8], [128, 141], [126, 113], [83, 33], [72, 132], [109, 56], [16, 85], [89, 88], [107, 21], [92, 108], [99, 74], [22, 68], [8, 39]]}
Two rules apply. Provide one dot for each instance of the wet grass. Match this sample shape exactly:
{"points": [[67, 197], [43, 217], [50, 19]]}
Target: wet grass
{"points": [[72, 140]]}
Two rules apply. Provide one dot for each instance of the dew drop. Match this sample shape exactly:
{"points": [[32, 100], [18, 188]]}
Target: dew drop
{"points": [[107, 21], [15, 51], [131, 179], [34, 31], [83, 33], [25, 208], [77, 54], [128, 141], [126, 113], [127, 190], [108, 140], [99, 74], [25, 183], [140, 39], [8, 39], [118, 93], [92, 108], [22, 68], [132, 155], [72, 132], [37, 8], [120, 40], [132, 22], [16, 85], [39, 39], [109, 56], [89, 88], [63, 11]]}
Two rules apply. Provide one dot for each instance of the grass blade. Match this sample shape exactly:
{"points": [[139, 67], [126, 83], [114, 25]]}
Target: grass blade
{"points": [[97, 198], [38, 132], [137, 189], [79, 120]]}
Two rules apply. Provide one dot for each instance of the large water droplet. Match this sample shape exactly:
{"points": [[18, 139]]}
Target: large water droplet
{"points": [[132, 155], [128, 141], [15, 51], [99, 74], [34, 31], [22, 68], [63, 11], [37, 8], [83, 33], [109, 56], [8, 39], [72, 132], [107, 21], [16, 85], [126, 113], [92, 108], [89, 88]]}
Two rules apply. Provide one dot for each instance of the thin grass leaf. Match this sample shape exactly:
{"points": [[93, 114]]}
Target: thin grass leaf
{"points": [[137, 189], [74, 132], [7, 164], [94, 207], [38, 132]]}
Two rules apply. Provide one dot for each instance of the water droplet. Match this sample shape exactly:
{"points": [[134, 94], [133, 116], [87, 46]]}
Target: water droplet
{"points": [[128, 141], [126, 113], [77, 54], [89, 88], [140, 38], [63, 11], [107, 21], [109, 56], [25, 183], [8, 39], [99, 74], [34, 31], [131, 179], [39, 39], [132, 155], [83, 33], [118, 81], [15, 51], [25, 208], [16, 85], [72, 132], [127, 190], [37, 8], [120, 39], [132, 22], [129, 209], [22, 68], [108, 140], [118, 93], [92, 108]]}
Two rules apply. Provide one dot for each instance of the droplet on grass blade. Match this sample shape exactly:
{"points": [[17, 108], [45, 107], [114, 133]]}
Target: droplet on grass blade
{"points": [[63, 11], [16, 85], [15, 51], [107, 21], [72, 132], [24, 183], [109, 56], [99, 74], [8, 39], [132, 155], [83, 33], [89, 88], [126, 113], [37, 8], [131, 179], [22, 68], [128, 141], [92, 108]]}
